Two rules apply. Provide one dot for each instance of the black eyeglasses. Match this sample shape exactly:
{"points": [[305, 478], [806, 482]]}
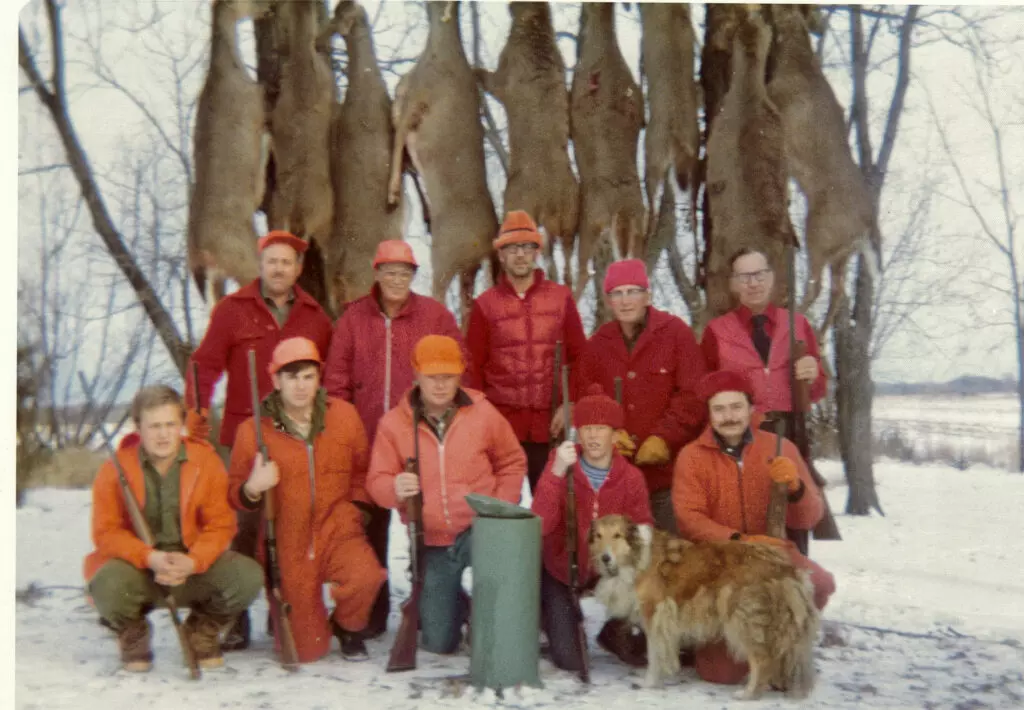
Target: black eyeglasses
{"points": [[749, 277]]}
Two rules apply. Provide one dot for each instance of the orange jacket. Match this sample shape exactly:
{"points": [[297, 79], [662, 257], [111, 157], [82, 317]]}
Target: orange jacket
{"points": [[714, 496], [480, 454], [315, 511], [207, 522]]}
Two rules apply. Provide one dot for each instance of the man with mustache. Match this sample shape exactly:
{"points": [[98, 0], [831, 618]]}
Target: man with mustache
{"points": [[722, 486], [656, 355], [369, 366], [260, 315], [605, 484], [318, 456], [512, 332]]}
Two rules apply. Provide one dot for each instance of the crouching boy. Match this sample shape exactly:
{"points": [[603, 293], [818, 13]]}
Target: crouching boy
{"points": [[606, 484], [181, 488], [318, 453], [465, 446]]}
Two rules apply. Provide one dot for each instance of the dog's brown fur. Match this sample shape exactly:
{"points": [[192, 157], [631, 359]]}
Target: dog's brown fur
{"points": [[748, 595]]}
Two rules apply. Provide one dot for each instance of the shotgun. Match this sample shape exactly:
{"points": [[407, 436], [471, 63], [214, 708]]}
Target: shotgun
{"points": [[572, 539], [279, 607], [403, 651], [800, 404], [146, 535], [554, 391], [195, 384]]}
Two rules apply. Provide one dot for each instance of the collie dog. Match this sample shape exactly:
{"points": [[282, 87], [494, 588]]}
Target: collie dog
{"points": [[748, 595]]}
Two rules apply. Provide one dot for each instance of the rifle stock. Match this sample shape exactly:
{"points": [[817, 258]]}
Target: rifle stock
{"points": [[572, 540], [279, 606], [143, 532], [403, 650]]}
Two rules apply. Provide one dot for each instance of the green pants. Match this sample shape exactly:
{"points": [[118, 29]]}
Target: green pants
{"points": [[124, 593]]}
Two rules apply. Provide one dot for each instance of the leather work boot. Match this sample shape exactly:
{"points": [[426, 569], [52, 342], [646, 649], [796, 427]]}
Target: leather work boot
{"points": [[624, 641], [353, 647], [133, 640], [203, 631], [237, 638]]}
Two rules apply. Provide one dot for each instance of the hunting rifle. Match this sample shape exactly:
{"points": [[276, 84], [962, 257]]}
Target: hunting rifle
{"points": [[279, 607], [554, 391], [146, 535], [403, 651], [778, 501], [800, 393], [572, 539]]}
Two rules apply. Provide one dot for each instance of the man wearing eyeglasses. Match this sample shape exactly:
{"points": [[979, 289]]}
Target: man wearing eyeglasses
{"points": [[370, 366], [754, 339], [657, 356], [513, 328]]}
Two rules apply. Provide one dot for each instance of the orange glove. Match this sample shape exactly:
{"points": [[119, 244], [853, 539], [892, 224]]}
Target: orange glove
{"points": [[653, 452], [624, 443], [783, 470], [765, 540], [197, 424]]}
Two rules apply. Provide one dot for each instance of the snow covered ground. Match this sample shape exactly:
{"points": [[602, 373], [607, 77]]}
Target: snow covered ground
{"points": [[941, 580]]}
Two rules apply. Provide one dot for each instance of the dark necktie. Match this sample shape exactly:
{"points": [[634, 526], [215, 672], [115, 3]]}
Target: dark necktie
{"points": [[762, 341]]}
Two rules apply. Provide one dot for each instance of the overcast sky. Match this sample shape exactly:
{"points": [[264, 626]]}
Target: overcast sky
{"points": [[939, 342]]}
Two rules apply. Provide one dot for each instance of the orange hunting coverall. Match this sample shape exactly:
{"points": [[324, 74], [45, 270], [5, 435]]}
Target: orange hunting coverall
{"points": [[320, 535]]}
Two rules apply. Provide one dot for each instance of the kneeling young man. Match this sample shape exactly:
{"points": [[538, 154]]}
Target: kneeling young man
{"points": [[317, 469], [721, 491], [181, 487], [465, 446], [606, 484]]}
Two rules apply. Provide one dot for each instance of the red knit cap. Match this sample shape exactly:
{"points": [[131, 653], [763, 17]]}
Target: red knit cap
{"points": [[597, 408], [629, 272], [724, 381]]}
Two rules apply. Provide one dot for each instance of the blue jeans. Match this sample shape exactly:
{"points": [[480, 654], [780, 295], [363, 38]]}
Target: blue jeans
{"points": [[443, 608]]}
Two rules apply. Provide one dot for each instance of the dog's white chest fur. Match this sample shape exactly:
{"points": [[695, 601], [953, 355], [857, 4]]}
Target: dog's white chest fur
{"points": [[618, 593]]}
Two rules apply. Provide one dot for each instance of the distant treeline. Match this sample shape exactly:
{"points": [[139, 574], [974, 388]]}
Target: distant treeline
{"points": [[963, 386]]}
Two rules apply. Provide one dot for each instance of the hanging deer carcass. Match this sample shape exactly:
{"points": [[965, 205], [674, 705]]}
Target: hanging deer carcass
{"points": [[230, 148], [606, 115], [672, 136], [437, 118], [530, 83], [839, 209], [300, 122], [361, 142], [746, 172]]}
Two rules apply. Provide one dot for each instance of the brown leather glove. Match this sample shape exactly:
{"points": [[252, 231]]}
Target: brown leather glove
{"points": [[197, 424], [624, 443], [653, 452], [783, 470]]}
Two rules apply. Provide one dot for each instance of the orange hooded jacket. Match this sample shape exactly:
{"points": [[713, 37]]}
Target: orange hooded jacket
{"points": [[480, 454], [207, 522]]}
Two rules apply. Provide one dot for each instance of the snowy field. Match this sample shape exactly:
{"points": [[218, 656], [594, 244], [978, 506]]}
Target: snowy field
{"points": [[979, 424], [929, 613]]}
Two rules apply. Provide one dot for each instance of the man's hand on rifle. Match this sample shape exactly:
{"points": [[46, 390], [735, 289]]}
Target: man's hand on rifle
{"points": [[198, 424], [806, 368], [783, 470], [557, 427], [406, 485], [264, 476], [163, 566], [182, 567], [565, 456]]}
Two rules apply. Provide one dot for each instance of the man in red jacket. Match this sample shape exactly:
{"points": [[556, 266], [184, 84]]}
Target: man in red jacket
{"points": [[260, 315], [754, 339], [657, 357], [512, 332], [721, 491], [370, 366], [606, 484]]}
